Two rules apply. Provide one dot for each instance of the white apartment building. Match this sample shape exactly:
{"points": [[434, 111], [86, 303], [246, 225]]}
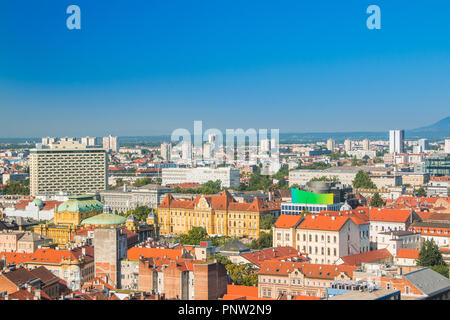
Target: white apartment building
{"points": [[284, 230], [327, 238], [383, 220], [68, 166], [166, 151], [89, 141], [228, 177], [395, 240], [396, 141], [110, 144], [302, 177]]}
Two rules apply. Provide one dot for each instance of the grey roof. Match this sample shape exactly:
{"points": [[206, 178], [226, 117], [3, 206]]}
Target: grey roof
{"points": [[400, 233], [428, 281], [233, 245], [431, 224], [153, 186]]}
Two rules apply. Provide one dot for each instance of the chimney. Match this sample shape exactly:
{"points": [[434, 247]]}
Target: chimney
{"points": [[83, 251], [37, 294], [313, 217], [333, 218]]}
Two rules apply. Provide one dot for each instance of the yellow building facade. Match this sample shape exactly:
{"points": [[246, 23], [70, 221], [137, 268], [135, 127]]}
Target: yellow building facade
{"points": [[68, 217], [218, 214]]}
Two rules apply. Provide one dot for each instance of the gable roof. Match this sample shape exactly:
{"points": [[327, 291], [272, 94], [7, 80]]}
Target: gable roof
{"points": [[135, 253], [321, 222], [317, 271], [428, 281], [288, 221], [389, 215], [369, 256], [234, 245], [276, 253], [408, 253]]}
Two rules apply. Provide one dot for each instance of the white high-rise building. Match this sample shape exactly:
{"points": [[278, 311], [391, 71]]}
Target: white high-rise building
{"points": [[47, 141], [348, 145], [447, 146], [331, 144], [228, 177], [110, 144], [366, 145], [166, 151], [423, 145], [68, 166], [208, 151], [396, 141], [186, 151], [88, 141]]}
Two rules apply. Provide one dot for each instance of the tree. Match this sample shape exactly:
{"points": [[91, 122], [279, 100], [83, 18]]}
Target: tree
{"points": [[362, 180], [242, 274], [376, 200], [421, 192], [430, 255], [142, 182], [441, 269], [140, 213], [21, 187], [354, 162], [194, 236], [264, 241], [267, 221]]}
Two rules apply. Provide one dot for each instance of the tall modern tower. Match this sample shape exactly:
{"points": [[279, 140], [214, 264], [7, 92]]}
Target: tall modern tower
{"points": [[396, 141], [166, 151], [68, 166], [110, 143]]}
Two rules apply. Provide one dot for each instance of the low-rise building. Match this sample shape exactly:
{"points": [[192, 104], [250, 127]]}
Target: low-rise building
{"points": [[296, 278], [407, 257]]}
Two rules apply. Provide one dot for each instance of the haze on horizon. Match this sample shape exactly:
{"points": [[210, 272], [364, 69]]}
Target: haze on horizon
{"points": [[139, 69]]}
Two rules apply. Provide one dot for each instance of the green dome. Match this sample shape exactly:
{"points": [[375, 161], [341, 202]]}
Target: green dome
{"points": [[75, 205], [105, 219], [38, 202]]}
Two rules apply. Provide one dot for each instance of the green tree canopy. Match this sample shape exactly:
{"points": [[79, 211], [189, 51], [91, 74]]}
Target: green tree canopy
{"points": [[362, 180], [376, 200], [142, 182], [21, 187], [430, 255], [267, 221], [140, 213], [421, 192], [264, 241]]}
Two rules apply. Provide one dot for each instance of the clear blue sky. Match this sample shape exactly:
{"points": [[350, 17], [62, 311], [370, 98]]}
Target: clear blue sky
{"points": [[148, 67]]}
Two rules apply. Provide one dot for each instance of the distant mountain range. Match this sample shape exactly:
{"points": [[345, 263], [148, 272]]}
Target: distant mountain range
{"points": [[437, 131]]}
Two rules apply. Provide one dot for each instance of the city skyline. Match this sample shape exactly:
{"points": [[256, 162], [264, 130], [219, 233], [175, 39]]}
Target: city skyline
{"points": [[230, 66]]}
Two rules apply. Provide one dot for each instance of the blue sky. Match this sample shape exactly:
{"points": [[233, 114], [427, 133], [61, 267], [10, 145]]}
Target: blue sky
{"points": [[149, 67]]}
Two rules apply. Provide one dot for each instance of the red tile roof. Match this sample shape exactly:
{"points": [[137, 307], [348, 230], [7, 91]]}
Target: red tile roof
{"points": [[321, 222], [135, 253], [15, 257], [408, 253], [369, 256], [235, 292], [276, 253], [287, 221], [224, 201], [317, 271], [389, 215]]}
